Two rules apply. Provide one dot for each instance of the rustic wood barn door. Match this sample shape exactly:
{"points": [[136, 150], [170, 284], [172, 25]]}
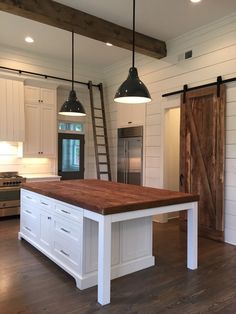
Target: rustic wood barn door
{"points": [[202, 154]]}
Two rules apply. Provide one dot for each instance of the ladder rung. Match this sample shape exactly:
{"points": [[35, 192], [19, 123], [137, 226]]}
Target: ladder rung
{"points": [[96, 108], [99, 135], [102, 163], [99, 126], [103, 172], [102, 154], [98, 118], [101, 145]]}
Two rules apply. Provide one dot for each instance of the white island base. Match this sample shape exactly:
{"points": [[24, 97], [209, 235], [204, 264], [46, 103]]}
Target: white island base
{"points": [[63, 233]]}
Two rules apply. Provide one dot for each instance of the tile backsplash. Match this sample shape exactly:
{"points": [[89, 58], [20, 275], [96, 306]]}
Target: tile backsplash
{"points": [[27, 165], [11, 160]]}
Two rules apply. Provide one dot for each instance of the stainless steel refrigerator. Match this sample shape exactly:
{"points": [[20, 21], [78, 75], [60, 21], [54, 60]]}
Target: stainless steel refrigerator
{"points": [[130, 153]]}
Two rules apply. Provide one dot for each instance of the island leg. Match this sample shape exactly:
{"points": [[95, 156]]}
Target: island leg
{"points": [[192, 246], [104, 260]]}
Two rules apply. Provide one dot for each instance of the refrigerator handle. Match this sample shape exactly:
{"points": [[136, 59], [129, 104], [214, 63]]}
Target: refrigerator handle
{"points": [[124, 161], [127, 176]]}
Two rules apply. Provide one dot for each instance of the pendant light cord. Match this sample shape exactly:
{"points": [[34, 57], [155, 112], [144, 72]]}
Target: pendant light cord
{"points": [[73, 60], [133, 55]]}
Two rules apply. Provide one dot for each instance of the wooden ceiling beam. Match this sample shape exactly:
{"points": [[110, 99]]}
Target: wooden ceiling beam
{"points": [[64, 17]]}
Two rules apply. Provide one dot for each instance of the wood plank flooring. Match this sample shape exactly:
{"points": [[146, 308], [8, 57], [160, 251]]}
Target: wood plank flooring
{"points": [[31, 284]]}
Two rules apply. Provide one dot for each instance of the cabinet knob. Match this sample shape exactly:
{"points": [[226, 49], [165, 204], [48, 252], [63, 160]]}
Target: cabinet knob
{"points": [[49, 218]]}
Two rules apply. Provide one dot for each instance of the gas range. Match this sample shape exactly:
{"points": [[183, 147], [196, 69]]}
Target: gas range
{"points": [[10, 183], [10, 179]]}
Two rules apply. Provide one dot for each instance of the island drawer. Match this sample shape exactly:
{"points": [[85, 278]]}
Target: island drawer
{"points": [[46, 203], [68, 254], [29, 226], [69, 212], [72, 232], [31, 212], [28, 198]]}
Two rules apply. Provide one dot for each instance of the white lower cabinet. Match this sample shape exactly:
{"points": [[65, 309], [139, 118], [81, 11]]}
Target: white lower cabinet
{"points": [[45, 230], [60, 231], [29, 222], [67, 242]]}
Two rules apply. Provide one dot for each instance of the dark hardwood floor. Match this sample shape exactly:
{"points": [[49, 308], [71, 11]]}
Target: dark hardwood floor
{"points": [[31, 283]]}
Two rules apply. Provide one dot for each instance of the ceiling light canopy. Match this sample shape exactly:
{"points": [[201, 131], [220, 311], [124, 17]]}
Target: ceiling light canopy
{"points": [[133, 90], [29, 39], [72, 106], [195, 1]]}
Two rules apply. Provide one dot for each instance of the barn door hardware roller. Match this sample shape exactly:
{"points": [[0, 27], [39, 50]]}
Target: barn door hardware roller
{"points": [[219, 82]]}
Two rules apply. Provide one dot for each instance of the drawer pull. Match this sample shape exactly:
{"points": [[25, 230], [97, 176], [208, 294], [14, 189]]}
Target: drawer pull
{"points": [[67, 231], [27, 228], [44, 203], [64, 211], [28, 211], [66, 254]]}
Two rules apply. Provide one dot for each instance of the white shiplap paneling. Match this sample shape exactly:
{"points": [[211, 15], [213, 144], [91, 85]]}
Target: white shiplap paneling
{"points": [[214, 53]]}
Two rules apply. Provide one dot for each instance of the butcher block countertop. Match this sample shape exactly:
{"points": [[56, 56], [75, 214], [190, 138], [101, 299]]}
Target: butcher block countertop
{"points": [[106, 197]]}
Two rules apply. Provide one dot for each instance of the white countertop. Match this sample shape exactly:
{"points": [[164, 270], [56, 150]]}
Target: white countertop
{"points": [[40, 176]]}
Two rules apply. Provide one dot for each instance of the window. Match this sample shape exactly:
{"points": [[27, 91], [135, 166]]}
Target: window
{"points": [[71, 127]]}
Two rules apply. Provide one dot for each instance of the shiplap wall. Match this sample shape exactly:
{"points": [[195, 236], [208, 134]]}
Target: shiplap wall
{"points": [[214, 54]]}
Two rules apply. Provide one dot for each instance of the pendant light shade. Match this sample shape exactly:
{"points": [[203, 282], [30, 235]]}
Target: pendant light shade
{"points": [[72, 106], [133, 90]]}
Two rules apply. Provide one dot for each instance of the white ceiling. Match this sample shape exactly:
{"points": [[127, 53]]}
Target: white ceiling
{"points": [[162, 19]]}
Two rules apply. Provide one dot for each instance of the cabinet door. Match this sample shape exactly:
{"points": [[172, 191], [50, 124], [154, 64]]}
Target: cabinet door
{"points": [[48, 96], [12, 110], [32, 130], [32, 95], [48, 130], [18, 112], [29, 222], [45, 230]]}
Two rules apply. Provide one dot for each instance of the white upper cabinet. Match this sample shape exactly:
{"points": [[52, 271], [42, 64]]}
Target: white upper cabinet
{"points": [[40, 116], [12, 123]]}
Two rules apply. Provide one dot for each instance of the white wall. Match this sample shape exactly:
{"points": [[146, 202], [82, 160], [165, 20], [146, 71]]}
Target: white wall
{"points": [[171, 149], [214, 53]]}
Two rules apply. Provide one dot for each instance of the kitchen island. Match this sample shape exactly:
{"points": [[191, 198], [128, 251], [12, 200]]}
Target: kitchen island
{"points": [[98, 230]]}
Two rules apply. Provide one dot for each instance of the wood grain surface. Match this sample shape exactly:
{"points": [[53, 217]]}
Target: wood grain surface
{"points": [[202, 151], [65, 17], [106, 197], [32, 284]]}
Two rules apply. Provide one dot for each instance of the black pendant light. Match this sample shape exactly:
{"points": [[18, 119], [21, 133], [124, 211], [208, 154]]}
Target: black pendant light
{"points": [[133, 91], [72, 106]]}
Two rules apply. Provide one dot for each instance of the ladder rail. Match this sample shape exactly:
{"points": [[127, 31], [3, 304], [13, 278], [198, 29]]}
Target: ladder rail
{"points": [[90, 86], [97, 144], [105, 130]]}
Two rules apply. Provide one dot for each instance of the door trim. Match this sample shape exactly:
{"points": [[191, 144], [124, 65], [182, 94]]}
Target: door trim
{"points": [[76, 174]]}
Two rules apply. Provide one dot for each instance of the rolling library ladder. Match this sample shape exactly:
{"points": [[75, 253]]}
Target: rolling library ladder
{"points": [[100, 134]]}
